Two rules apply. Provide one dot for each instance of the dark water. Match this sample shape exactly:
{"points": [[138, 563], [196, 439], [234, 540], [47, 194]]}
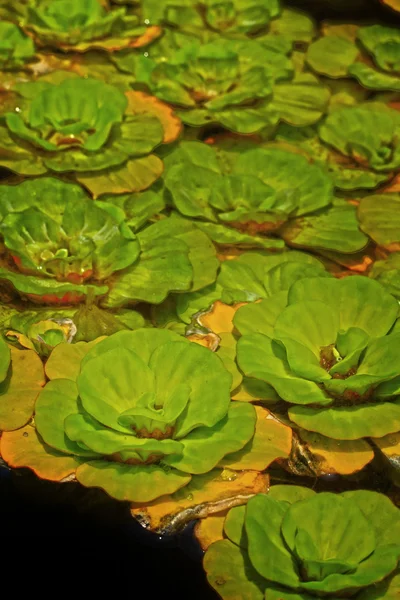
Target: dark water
{"points": [[64, 540], [345, 10]]}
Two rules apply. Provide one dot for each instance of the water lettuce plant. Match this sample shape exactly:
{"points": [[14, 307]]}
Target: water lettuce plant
{"points": [[368, 134], [40, 331], [383, 44], [152, 431], [88, 127], [333, 358], [273, 25], [356, 144], [256, 193], [346, 173], [82, 25], [260, 196], [367, 53], [244, 85], [295, 543], [207, 17], [61, 246], [210, 84], [44, 327]]}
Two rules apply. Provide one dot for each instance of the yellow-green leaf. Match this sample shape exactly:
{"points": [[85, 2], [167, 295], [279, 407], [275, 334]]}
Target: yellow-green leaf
{"points": [[210, 529], [24, 448], [271, 440], [65, 360], [20, 389], [136, 175], [343, 457]]}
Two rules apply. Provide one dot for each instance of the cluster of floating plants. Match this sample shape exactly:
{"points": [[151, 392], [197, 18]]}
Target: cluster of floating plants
{"points": [[200, 277]]}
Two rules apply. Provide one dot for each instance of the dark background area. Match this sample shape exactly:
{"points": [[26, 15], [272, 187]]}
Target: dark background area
{"points": [[66, 539], [374, 10]]}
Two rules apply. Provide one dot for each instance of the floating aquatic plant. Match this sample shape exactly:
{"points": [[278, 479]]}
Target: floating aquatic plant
{"points": [[328, 354], [88, 127], [293, 542], [147, 440], [82, 25], [61, 247]]}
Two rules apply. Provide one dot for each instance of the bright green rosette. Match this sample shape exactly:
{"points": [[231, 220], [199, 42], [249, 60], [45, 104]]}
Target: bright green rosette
{"points": [[227, 18], [147, 411], [81, 25], [332, 357], [85, 126], [63, 247], [370, 55], [294, 544], [253, 198]]}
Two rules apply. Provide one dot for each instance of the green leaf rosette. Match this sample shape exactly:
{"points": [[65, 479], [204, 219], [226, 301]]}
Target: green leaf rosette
{"points": [[253, 198], [85, 126], [60, 243], [327, 353], [209, 84], [259, 191], [367, 134], [62, 247], [262, 189], [147, 411], [345, 172], [383, 44], [81, 25], [383, 71], [40, 330], [370, 55], [209, 20], [43, 328], [228, 18], [356, 145], [294, 544], [247, 86]]}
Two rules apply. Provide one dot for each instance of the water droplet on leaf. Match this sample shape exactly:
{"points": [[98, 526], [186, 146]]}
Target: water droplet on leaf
{"points": [[228, 475]]}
